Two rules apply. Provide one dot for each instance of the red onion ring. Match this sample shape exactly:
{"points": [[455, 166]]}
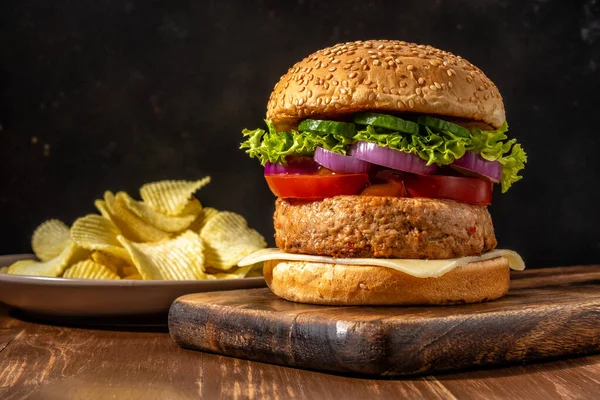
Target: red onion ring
{"points": [[391, 158], [474, 164], [340, 163]]}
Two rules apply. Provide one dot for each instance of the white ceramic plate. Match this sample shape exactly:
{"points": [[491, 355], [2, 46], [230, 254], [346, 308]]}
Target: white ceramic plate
{"points": [[61, 297]]}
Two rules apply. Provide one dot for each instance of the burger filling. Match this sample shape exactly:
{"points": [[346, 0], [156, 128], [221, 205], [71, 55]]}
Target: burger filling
{"points": [[383, 155]]}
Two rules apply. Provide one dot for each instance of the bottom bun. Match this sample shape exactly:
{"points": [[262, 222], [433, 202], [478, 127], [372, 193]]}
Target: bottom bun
{"points": [[337, 284]]}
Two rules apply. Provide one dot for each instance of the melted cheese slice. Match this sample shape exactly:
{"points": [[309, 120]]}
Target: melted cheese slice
{"points": [[417, 268]]}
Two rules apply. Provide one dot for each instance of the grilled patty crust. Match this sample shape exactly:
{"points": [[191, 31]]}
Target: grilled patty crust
{"points": [[385, 227]]}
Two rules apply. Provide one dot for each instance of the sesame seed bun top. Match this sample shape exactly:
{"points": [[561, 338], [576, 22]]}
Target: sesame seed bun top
{"points": [[384, 75]]}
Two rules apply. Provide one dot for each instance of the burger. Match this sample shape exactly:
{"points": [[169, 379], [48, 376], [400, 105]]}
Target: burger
{"points": [[383, 156]]}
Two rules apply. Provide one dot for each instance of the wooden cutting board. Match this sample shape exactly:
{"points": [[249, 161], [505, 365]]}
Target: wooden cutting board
{"points": [[547, 313]]}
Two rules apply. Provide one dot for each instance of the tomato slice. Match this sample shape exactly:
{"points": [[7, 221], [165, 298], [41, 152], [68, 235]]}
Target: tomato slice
{"points": [[316, 186], [465, 190]]}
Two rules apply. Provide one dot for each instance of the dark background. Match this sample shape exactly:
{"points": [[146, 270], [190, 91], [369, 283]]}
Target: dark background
{"points": [[103, 94]]}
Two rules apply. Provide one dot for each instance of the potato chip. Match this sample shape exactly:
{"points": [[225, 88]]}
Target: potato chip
{"points": [[170, 197], [50, 239], [94, 232], [256, 271], [202, 219], [89, 269], [51, 268], [130, 270], [135, 277], [227, 239], [115, 264], [161, 221], [234, 274], [103, 209], [4, 270], [131, 226], [175, 259]]}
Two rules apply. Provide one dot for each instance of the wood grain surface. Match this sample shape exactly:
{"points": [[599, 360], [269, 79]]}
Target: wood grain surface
{"points": [[40, 361], [546, 314]]}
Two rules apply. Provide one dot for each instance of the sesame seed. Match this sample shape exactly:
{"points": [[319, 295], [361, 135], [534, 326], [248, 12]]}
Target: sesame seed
{"points": [[363, 61], [402, 84], [469, 79], [410, 67], [373, 56], [332, 69], [335, 61], [390, 63], [437, 85], [432, 87], [318, 64], [329, 76], [355, 68], [398, 61], [309, 93], [300, 101], [302, 88], [422, 101], [450, 85], [411, 104], [421, 81], [326, 85], [418, 91], [345, 83], [343, 91], [375, 62], [335, 83]]}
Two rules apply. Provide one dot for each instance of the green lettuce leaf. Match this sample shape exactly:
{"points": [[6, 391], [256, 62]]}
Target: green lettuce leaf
{"points": [[440, 148], [275, 146]]}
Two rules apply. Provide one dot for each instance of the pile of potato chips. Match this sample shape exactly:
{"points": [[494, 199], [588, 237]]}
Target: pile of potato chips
{"points": [[166, 236]]}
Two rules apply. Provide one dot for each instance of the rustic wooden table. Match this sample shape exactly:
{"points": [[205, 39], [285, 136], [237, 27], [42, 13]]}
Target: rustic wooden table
{"points": [[52, 362]]}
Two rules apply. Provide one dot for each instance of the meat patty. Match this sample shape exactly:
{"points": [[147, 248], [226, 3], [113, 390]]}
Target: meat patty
{"points": [[387, 227]]}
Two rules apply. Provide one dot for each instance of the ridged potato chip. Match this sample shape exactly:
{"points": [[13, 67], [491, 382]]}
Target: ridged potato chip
{"points": [[171, 197], [94, 232], [116, 264], [103, 209], [256, 271], [207, 214], [227, 239], [130, 270], [89, 269], [235, 273], [135, 277], [131, 226], [180, 258], [158, 220], [52, 268], [49, 239]]}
